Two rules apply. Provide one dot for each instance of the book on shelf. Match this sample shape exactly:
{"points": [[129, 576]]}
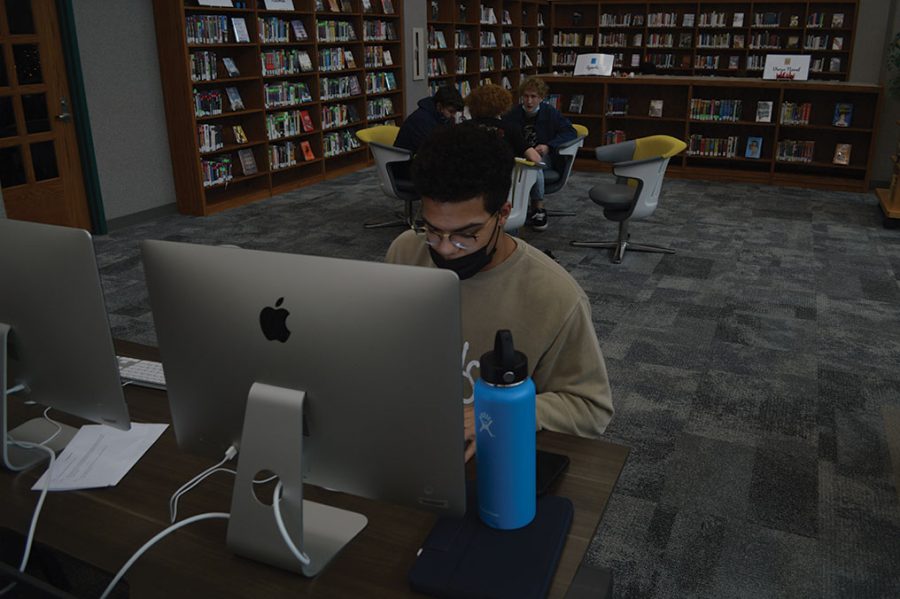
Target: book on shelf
{"points": [[279, 4], [635, 60], [435, 10], [843, 114], [333, 6], [754, 147], [240, 29], [388, 7], [348, 58], [320, 5], [230, 67], [687, 20], [842, 154], [345, 6], [834, 65], [837, 43], [299, 30], [793, 42], [239, 136], [764, 111], [554, 100], [234, 98], [734, 62], [305, 61], [837, 20], [367, 6], [737, 20], [307, 151], [388, 60], [738, 40], [306, 121], [794, 21], [354, 87], [656, 108], [576, 103], [248, 161]]}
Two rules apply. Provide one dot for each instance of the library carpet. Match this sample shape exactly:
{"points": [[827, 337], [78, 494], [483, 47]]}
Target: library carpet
{"points": [[751, 372]]}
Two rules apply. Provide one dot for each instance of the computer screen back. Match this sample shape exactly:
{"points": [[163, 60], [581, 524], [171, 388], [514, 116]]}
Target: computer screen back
{"points": [[376, 348], [60, 345]]}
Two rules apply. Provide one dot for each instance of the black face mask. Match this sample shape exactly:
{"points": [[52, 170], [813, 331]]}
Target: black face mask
{"points": [[466, 266]]}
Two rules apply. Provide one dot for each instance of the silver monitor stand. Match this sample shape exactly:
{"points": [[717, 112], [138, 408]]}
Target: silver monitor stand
{"points": [[272, 440]]}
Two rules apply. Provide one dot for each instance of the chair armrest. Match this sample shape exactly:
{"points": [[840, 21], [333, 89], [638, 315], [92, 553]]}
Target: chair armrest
{"points": [[638, 169], [392, 153], [528, 163]]}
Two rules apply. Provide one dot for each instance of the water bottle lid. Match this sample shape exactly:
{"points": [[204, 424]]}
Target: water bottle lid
{"points": [[504, 365]]}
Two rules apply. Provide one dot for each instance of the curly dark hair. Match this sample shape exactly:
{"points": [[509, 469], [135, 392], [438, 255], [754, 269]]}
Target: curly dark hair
{"points": [[488, 101], [458, 163]]}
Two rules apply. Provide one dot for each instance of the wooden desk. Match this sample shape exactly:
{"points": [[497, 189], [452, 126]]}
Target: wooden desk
{"points": [[104, 527]]}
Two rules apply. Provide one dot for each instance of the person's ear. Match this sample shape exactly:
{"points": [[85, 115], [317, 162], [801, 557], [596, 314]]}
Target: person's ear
{"points": [[503, 215]]}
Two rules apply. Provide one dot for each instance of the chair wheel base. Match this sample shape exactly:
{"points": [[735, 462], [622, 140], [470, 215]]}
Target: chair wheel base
{"points": [[619, 248], [399, 221]]}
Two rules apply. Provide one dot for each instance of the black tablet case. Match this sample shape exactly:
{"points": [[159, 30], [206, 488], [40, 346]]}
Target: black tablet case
{"points": [[465, 558]]}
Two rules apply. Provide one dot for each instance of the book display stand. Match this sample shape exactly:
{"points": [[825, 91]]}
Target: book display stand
{"points": [[245, 80]]}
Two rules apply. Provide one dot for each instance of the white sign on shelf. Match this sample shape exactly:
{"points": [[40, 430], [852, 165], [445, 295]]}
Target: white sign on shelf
{"points": [[279, 4], [225, 3], [594, 64], [787, 67]]}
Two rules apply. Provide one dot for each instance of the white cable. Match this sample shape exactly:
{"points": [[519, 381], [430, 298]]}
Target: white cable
{"points": [[276, 507], [159, 536], [173, 501], [58, 425], [37, 510]]}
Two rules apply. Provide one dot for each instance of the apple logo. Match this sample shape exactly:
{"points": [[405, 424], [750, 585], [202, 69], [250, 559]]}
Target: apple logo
{"points": [[273, 322]]}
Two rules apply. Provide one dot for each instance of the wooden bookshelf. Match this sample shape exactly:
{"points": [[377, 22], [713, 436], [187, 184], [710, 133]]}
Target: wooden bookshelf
{"points": [[471, 42], [706, 37], [682, 115], [277, 118]]}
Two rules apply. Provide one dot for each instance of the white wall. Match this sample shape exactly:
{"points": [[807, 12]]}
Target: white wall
{"points": [[117, 42]]}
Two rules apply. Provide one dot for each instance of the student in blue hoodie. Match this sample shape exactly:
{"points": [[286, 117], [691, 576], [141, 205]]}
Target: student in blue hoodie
{"points": [[439, 109], [544, 129]]}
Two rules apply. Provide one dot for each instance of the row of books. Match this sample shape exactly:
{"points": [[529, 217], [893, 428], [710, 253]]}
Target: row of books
{"points": [[285, 62], [378, 108], [335, 31], [288, 124], [334, 88], [717, 147], [210, 137], [335, 59], [204, 66], [437, 67], [486, 63], [368, 6], [716, 19], [725, 109], [795, 114], [339, 142], [379, 31], [789, 150], [216, 170], [286, 93], [208, 102], [338, 115], [377, 56], [622, 20], [275, 30], [614, 136], [381, 82]]}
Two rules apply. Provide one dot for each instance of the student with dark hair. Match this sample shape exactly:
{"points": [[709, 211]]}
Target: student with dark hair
{"points": [[432, 112], [464, 174], [486, 104], [544, 129]]}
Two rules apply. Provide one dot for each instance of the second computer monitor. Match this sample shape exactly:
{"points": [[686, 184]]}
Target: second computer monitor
{"points": [[376, 347]]}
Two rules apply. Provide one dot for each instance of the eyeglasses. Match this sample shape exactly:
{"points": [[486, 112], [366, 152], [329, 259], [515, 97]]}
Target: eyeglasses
{"points": [[464, 240]]}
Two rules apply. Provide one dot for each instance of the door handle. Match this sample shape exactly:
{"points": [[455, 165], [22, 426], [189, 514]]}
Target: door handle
{"points": [[64, 116]]}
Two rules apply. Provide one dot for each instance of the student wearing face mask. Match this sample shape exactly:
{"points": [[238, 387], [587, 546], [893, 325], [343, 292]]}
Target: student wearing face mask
{"points": [[464, 175], [432, 112], [544, 129]]}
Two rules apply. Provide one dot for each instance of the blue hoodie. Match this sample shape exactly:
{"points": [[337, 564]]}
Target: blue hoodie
{"points": [[419, 125]]}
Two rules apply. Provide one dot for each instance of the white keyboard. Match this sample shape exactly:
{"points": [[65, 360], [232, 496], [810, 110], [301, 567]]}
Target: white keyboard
{"points": [[145, 373]]}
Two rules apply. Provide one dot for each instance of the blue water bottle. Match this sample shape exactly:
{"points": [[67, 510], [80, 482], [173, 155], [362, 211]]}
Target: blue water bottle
{"points": [[505, 437]]}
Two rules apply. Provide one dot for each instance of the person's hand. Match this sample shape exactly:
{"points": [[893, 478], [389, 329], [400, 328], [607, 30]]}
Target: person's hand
{"points": [[543, 149], [469, 430], [533, 155]]}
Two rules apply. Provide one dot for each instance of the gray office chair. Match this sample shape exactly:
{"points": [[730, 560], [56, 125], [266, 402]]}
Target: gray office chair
{"points": [[524, 175], [639, 166], [555, 180], [380, 140]]}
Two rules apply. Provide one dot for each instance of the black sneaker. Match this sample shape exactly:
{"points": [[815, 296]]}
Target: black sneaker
{"points": [[538, 220]]}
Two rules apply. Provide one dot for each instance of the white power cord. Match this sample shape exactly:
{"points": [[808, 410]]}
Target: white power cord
{"points": [[276, 507], [173, 501], [37, 510], [159, 536]]}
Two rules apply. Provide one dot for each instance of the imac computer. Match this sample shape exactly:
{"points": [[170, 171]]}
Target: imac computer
{"points": [[337, 373], [55, 344]]}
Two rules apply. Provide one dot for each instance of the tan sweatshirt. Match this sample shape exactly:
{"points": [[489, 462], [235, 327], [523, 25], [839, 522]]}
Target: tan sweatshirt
{"points": [[550, 319]]}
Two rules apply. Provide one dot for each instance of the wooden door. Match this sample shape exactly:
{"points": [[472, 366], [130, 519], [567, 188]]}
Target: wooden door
{"points": [[40, 170]]}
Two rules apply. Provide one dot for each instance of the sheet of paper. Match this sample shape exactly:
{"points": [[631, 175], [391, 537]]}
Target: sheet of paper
{"points": [[100, 456]]}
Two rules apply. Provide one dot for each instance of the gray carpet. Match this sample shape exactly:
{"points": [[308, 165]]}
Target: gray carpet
{"points": [[749, 372]]}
